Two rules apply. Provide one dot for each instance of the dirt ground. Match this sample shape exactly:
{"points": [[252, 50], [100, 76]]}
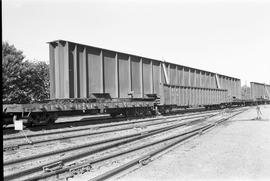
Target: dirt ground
{"points": [[236, 150]]}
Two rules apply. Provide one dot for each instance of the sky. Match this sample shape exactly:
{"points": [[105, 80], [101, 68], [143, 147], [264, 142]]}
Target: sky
{"points": [[230, 37]]}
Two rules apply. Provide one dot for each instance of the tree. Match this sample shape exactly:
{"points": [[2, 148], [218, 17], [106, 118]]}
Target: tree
{"points": [[245, 92], [23, 81]]}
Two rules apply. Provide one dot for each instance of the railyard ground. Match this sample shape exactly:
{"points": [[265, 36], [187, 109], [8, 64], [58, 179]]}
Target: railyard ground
{"points": [[239, 149]]}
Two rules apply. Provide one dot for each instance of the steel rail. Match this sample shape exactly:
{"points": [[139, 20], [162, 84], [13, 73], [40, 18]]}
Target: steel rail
{"points": [[87, 153], [153, 153], [101, 132], [103, 158], [77, 147], [108, 125], [36, 169], [144, 157]]}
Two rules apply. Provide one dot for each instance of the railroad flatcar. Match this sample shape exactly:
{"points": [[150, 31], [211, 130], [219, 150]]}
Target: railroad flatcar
{"points": [[78, 71], [90, 80], [260, 92]]}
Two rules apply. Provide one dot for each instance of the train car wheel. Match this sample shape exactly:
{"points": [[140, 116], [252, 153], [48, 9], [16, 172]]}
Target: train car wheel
{"points": [[129, 112], [41, 118], [113, 115]]}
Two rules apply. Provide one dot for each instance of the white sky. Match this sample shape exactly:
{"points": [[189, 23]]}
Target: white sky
{"points": [[230, 37]]}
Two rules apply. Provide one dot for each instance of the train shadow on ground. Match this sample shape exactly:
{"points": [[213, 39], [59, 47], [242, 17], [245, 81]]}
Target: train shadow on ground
{"points": [[253, 119], [227, 123], [10, 131], [72, 124], [92, 121]]}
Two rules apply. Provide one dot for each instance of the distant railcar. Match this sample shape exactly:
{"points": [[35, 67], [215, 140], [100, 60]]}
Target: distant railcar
{"points": [[259, 91]]}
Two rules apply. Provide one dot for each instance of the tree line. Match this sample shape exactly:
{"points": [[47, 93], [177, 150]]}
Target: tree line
{"points": [[23, 81]]}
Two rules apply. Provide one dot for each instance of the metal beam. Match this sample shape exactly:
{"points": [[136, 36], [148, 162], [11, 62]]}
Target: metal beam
{"points": [[165, 73], [217, 81]]}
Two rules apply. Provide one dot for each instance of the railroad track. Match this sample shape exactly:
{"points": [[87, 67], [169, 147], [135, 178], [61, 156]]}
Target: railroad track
{"points": [[148, 157], [13, 142], [76, 147], [122, 136], [84, 121], [61, 165]]}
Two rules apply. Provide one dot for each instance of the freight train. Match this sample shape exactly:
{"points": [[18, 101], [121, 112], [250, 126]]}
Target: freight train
{"points": [[91, 80]]}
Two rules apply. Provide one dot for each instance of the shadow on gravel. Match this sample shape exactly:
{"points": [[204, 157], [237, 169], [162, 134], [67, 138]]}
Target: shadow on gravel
{"points": [[92, 121], [10, 131], [77, 123], [72, 124], [253, 119], [227, 123]]}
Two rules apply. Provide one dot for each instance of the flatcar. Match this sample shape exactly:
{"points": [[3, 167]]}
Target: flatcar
{"points": [[90, 80], [259, 93]]}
